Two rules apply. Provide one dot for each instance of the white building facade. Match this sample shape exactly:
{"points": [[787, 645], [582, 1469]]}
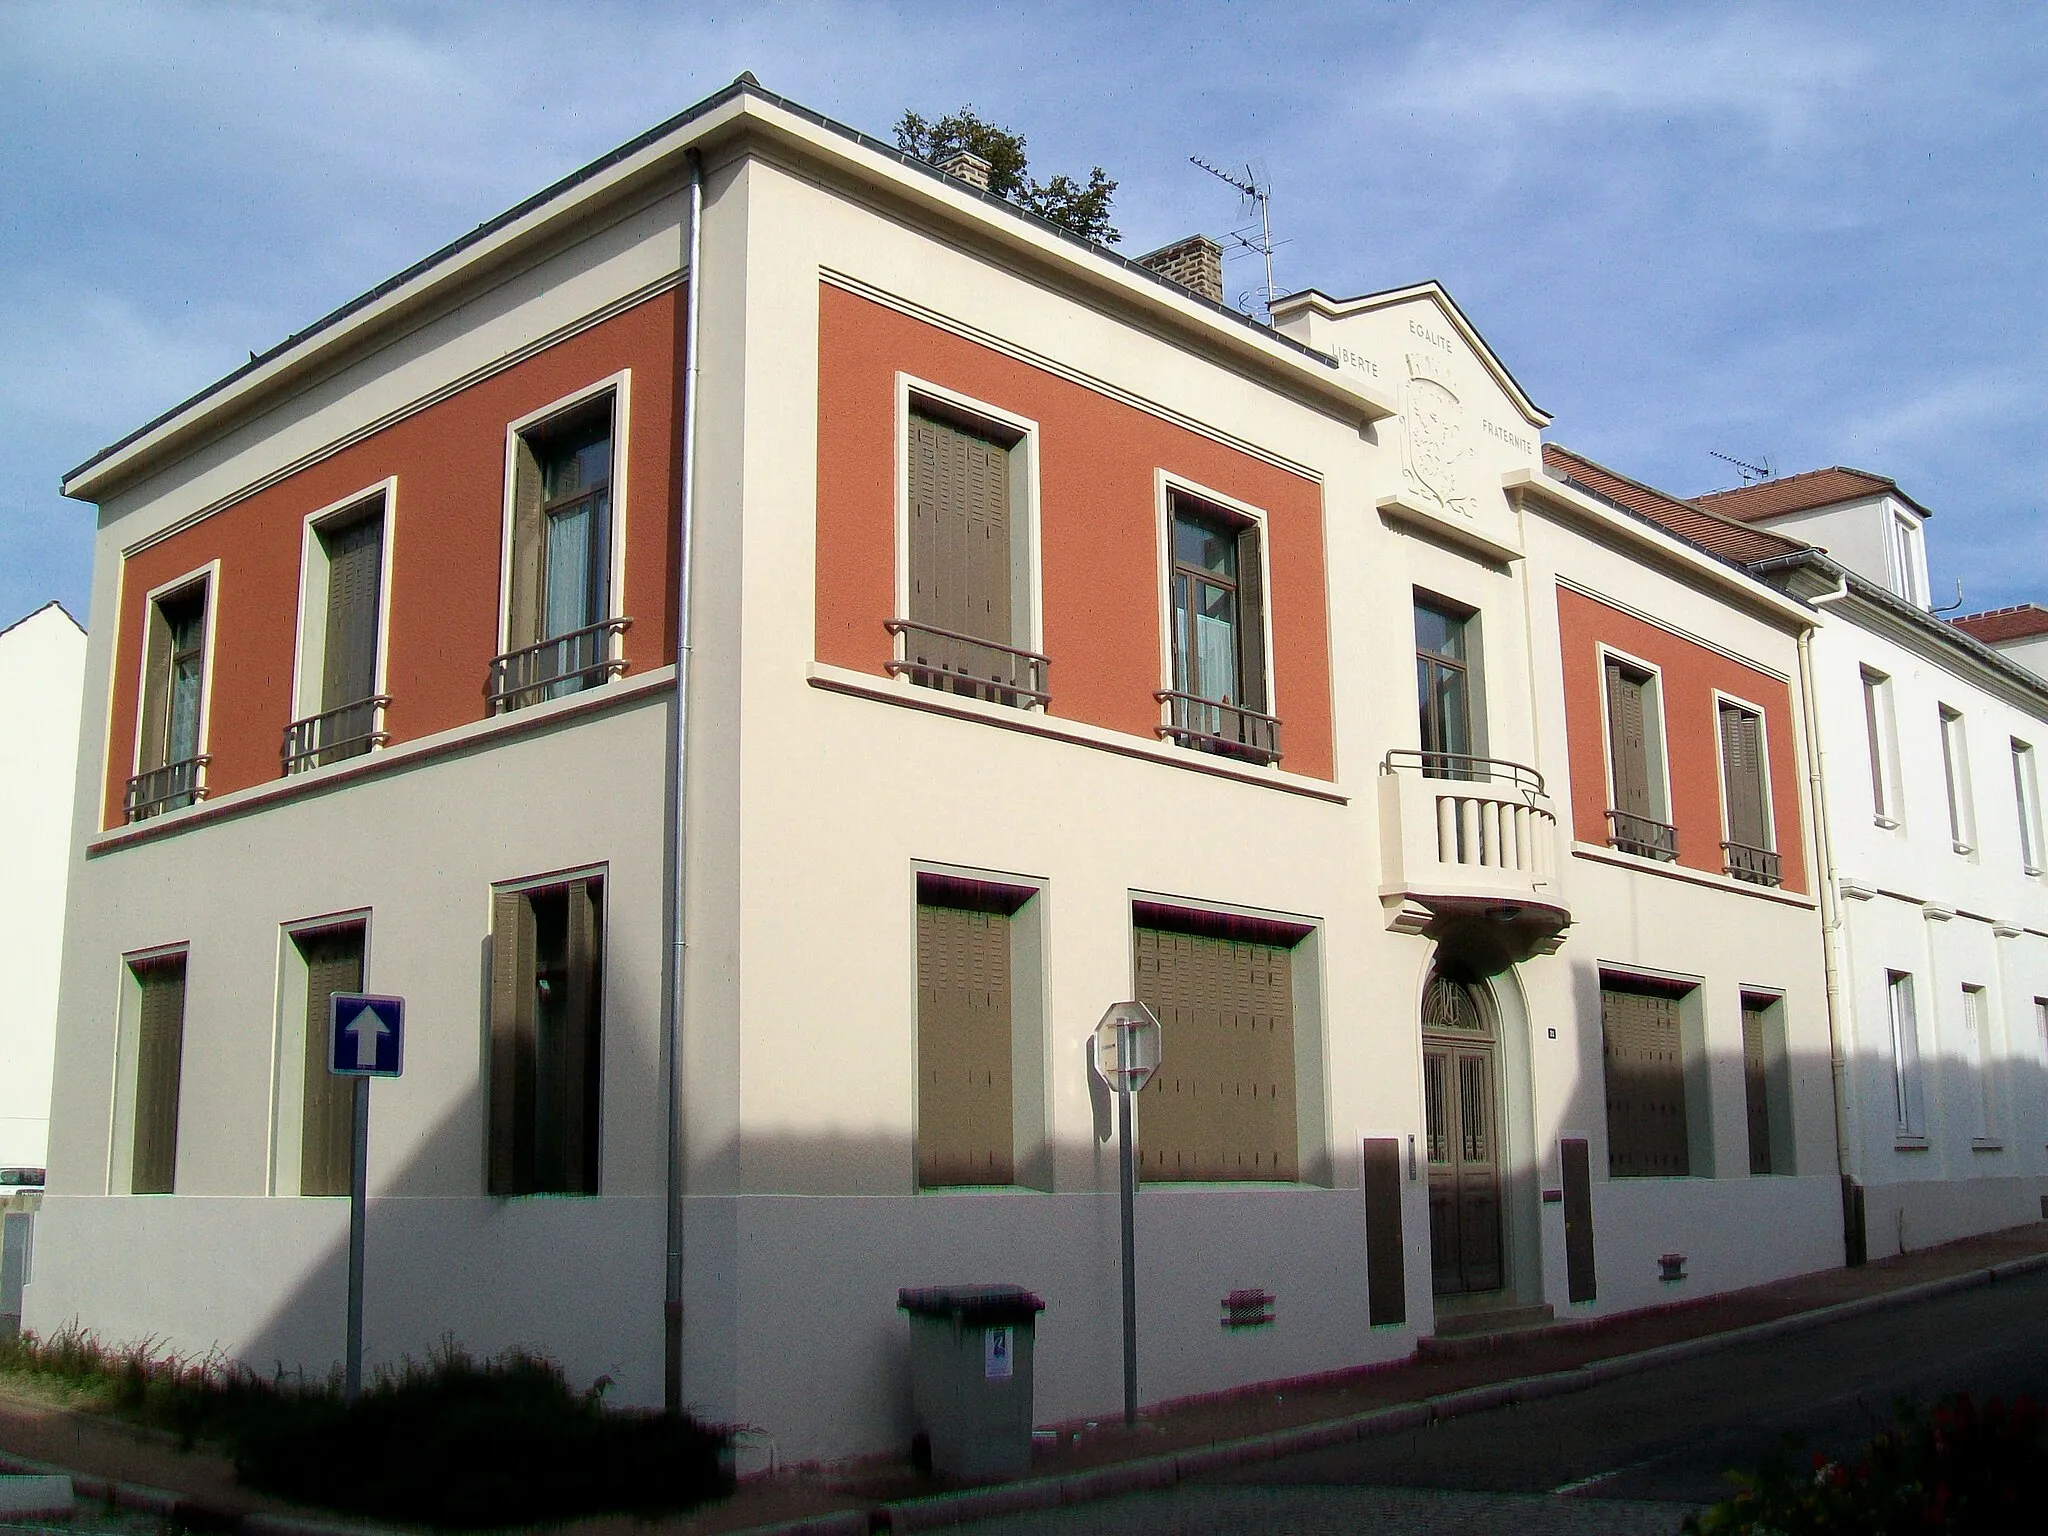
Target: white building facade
{"points": [[1054, 637]]}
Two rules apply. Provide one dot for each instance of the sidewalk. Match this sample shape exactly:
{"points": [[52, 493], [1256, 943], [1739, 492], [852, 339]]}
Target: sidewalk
{"points": [[1083, 1460]]}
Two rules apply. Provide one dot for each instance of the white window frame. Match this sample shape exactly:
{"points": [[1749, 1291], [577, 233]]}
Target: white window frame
{"points": [[309, 655], [288, 1042], [1903, 556], [208, 577], [2026, 786], [1653, 729], [620, 386], [1908, 1097], [1763, 736], [1164, 484], [1982, 1057], [1880, 726], [1024, 499], [1955, 754]]}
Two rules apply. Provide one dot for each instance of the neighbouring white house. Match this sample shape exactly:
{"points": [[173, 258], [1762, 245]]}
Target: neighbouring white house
{"points": [[2018, 633], [42, 680]]}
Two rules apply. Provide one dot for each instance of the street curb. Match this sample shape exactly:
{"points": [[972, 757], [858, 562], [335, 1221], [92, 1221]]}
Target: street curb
{"points": [[935, 1511], [1144, 1474]]}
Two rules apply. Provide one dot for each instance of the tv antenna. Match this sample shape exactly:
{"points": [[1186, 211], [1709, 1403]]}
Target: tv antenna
{"points": [[1751, 473], [1261, 198]]}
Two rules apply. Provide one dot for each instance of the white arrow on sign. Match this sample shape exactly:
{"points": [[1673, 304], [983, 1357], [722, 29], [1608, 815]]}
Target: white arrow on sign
{"points": [[368, 1030]]}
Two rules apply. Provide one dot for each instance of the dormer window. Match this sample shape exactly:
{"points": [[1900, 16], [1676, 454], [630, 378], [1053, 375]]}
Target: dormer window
{"points": [[1906, 558]]}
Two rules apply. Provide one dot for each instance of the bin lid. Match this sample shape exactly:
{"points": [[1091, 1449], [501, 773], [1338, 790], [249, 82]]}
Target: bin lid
{"points": [[983, 1305]]}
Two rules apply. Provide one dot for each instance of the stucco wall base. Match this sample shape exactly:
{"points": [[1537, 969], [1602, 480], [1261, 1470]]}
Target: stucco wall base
{"points": [[1733, 1233], [265, 1281], [1902, 1217]]}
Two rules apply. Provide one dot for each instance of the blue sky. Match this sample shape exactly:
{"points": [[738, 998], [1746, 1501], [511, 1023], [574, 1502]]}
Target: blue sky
{"points": [[1813, 233]]}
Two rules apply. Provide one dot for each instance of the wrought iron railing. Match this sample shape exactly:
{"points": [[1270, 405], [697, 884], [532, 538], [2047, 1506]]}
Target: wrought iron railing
{"points": [[558, 665], [1209, 725], [346, 731], [1462, 765], [980, 669], [169, 788], [1640, 835], [1759, 866]]}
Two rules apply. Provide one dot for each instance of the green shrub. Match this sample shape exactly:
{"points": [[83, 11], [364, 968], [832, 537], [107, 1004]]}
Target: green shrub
{"points": [[448, 1440], [1957, 1472]]}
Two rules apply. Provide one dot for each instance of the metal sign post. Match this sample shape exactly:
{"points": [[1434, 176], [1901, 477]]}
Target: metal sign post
{"points": [[365, 1039], [1127, 1052]]}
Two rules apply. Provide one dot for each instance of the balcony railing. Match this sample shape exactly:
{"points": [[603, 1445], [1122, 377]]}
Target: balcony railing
{"points": [[347, 731], [963, 664], [1642, 836], [558, 665], [1759, 866], [169, 788], [1208, 725], [1463, 766], [1467, 836]]}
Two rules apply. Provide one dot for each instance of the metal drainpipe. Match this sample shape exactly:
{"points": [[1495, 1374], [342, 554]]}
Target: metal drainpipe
{"points": [[1830, 912], [678, 806]]}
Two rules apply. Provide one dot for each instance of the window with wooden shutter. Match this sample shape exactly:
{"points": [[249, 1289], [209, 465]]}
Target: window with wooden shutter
{"points": [[159, 1069], [1217, 586], [334, 963], [1756, 1082], [547, 976], [1747, 852], [560, 630], [341, 712], [169, 765], [1634, 758], [1643, 1052], [1222, 1104], [965, 1118]]}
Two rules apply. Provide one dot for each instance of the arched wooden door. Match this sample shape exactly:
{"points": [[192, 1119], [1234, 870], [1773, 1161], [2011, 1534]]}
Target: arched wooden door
{"points": [[1461, 1111]]}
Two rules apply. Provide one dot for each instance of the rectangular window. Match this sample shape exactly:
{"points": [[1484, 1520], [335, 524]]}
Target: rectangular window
{"points": [[2026, 794], [1635, 758], [1766, 1092], [1223, 1104], [342, 713], [560, 632], [1905, 1023], [1955, 767], [1980, 1059], [1443, 689], [1217, 587], [966, 1122], [334, 963], [969, 625], [1903, 556], [170, 769], [547, 1003], [1877, 725], [1643, 1051], [158, 1055], [1748, 852]]}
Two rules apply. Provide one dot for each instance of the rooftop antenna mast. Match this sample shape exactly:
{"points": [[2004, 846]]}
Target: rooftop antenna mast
{"points": [[1751, 473], [1261, 199]]}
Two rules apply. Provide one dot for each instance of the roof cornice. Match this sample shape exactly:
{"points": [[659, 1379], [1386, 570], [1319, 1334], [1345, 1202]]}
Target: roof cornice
{"points": [[726, 121]]}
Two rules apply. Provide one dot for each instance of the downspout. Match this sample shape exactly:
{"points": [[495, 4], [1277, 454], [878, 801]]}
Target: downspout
{"points": [[1831, 941], [678, 807]]}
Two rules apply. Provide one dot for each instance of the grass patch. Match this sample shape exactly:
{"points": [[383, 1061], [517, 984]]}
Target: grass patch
{"points": [[449, 1440], [1957, 1471]]}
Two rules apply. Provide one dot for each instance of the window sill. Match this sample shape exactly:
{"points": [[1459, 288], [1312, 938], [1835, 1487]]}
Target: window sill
{"points": [[1906, 1142], [468, 737], [1987, 1144], [1078, 733], [1600, 853], [1886, 823]]}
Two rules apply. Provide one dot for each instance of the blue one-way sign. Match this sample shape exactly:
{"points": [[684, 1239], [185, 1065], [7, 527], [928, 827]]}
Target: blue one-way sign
{"points": [[365, 1035]]}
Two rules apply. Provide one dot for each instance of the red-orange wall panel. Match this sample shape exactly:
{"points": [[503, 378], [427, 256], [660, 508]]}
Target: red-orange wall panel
{"points": [[1099, 552], [1691, 674], [449, 462]]}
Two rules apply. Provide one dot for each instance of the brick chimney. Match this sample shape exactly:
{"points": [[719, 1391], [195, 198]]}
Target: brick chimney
{"points": [[1196, 263], [968, 167]]}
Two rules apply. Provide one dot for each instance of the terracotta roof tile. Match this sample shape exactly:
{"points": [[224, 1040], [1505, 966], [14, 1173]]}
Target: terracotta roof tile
{"points": [[1695, 524], [2018, 622], [1803, 492]]}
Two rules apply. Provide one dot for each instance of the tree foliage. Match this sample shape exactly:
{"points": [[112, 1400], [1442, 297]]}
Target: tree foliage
{"points": [[1082, 207]]}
